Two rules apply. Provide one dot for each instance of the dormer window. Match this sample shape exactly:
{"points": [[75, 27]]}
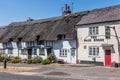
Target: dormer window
{"points": [[41, 42], [20, 39], [61, 37], [10, 40], [37, 38]]}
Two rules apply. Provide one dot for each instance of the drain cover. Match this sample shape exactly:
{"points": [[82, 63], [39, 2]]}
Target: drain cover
{"points": [[57, 73]]}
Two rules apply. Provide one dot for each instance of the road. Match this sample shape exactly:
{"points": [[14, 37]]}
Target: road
{"points": [[8, 76]]}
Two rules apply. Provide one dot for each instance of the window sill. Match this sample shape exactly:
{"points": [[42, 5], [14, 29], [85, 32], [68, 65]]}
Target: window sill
{"points": [[94, 56]]}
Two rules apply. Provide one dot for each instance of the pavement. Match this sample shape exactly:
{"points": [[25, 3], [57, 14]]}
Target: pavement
{"points": [[70, 71]]}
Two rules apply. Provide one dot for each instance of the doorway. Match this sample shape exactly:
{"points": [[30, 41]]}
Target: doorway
{"points": [[29, 53], [73, 56], [49, 50], [107, 57]]}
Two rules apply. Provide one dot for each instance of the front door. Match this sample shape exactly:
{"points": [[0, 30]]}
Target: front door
{"points": [[49, 50], [107, 57], [29, 53], [73, 56]]}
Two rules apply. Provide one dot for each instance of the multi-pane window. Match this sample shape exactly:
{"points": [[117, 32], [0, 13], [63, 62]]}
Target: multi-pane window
{"points": [[107, 33], [63, 52], [24, 51], [72, 52], [42, 52], [35, 51], [2, 51], [93, 31], [41, 42], [30, 44], [61, 37], [10, 51], [94, 51]]}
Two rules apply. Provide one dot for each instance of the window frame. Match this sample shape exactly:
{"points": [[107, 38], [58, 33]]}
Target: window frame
{"points": [[94, 30], [10, 51], [25, 53], [63, 52], [43, 51], [94, 51]]}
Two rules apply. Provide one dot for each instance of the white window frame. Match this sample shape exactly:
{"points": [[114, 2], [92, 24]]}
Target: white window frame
{"points": [[24, 51], [73, 52], [63, 52], [2, 51], [42, 51], [94, 30], [94, 51], [10, 51]]}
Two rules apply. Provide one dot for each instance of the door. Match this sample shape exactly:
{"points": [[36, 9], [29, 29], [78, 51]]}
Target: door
{"points": [[29, 53], [107, 57], [73, 56], [49, 50]]}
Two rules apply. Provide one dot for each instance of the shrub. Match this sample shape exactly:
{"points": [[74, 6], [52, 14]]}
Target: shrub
{"points": [[51, 57], [5, 57], [24, 60], [36, 60], [114, 64], [15, 60], [29, 61], [46, 61]]}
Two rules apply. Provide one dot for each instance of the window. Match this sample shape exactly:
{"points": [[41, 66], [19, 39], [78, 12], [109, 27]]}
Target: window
{"points": [[35, 51], [107, 33], [93, 31], [61, 37], [94, 51], [10, 51], [2, 51], [24, 51], [42, 52], [63, 52], [72, 52], [41, 42], [30, 44]]}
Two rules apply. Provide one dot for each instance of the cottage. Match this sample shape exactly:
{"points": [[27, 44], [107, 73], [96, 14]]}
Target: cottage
{"points": [[98, 35], [32, 38]]}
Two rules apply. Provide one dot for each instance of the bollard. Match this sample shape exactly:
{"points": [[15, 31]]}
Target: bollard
{"points": [[5, 64]]}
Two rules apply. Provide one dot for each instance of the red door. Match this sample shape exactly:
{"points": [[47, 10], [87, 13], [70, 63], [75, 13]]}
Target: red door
{"points": [[107, 57]]}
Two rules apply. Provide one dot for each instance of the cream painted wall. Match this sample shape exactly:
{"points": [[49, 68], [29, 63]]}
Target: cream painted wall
{"points": [[83, 33]]}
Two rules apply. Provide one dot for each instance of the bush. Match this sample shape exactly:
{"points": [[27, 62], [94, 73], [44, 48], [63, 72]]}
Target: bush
{"points": [[51, 57], [29, 61], [5, 57], [46, 61], [114, 64], [36, 60], [24, 61], [15, 60]]}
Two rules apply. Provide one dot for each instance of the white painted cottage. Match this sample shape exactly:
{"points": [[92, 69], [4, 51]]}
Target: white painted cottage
{"points": [[98, 35], [33, 38]]}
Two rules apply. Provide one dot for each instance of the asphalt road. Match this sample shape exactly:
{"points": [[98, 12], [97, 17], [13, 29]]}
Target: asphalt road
{"points": [[8, 76]]}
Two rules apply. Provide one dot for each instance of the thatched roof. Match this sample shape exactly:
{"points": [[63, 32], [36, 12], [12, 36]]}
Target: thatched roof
{"points": [[47, 29], [107, 14]]}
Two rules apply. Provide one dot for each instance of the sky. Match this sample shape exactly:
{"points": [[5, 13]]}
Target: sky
{"points": [[21, 10]]}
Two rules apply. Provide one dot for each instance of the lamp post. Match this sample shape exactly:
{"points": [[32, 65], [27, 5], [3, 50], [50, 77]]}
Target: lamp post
{"points": [[118, 42]]}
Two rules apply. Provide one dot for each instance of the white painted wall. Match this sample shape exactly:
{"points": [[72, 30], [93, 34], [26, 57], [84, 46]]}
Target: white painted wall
{"points": [[57, 45], [82, 33], [64, 44]]}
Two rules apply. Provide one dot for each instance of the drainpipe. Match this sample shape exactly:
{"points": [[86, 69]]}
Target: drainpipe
{"points": [[118, 42]]}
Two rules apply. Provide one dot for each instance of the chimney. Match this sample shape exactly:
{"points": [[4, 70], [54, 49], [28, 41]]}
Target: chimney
{"points": [[67, 10]]}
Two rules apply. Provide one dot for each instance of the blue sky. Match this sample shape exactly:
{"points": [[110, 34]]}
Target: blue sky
{"points": [[20, 10]]}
